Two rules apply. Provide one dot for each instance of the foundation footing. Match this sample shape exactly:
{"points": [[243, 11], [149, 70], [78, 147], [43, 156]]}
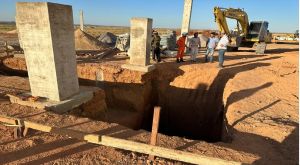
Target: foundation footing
{"points": [[139, 68], [85, 94]]}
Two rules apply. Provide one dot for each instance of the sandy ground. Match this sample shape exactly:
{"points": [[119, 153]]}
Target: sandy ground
{"points": [[260, 95]]}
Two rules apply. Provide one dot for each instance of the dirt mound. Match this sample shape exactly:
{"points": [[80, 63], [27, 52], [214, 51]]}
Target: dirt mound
{"points": [[84, 41], [107, 38], [12, 32]]}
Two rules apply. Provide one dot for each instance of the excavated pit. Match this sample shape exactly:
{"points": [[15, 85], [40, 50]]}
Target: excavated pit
{"points": [[192, 112]]}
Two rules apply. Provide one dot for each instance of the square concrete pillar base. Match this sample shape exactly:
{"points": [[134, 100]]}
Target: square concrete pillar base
{"points": [[86, 94], [139, 68]]}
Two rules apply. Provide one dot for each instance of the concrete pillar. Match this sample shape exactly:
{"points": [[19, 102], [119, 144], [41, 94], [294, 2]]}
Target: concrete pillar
{"points": [[47, 34], [140, 44], [186, 19], [81, 21]]}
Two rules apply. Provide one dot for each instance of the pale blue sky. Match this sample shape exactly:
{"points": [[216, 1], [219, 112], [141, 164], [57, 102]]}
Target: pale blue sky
{"points": [[283, 15]]}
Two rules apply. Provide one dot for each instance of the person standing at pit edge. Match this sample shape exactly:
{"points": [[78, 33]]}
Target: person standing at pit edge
{"points": [[194, 45], [155, 43], [222, 47], [211, 45], [181, 47]]}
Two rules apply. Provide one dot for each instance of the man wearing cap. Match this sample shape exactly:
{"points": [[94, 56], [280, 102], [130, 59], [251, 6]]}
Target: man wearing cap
{"points": [[181, 47], [155, 43], [222, 47]]}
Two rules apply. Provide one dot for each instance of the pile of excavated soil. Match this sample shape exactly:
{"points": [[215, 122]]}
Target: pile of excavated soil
{"points": [[84, 41]]}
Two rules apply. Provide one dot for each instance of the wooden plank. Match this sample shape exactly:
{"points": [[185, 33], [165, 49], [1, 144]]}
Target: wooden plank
{"points": [[163, 152], [25, 132], [155, 124], [16, 130], [37, 126], [8, 120], [126, 144], [6, 48]]}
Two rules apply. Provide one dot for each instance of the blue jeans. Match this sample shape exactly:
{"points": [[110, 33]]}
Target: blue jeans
{"points": [[221, 56], [210, 53]]}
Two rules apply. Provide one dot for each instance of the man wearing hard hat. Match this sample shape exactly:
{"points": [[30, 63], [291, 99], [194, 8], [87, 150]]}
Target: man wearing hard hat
{"points": [[181, 47]]}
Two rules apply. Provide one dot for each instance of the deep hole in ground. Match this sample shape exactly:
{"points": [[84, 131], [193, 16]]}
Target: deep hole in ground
{"points": [[191, 113], [196, 113]]}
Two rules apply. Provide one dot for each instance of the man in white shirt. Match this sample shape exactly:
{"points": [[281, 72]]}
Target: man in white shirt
{"points": [[222, 47], [194, 45], [211, 45]]}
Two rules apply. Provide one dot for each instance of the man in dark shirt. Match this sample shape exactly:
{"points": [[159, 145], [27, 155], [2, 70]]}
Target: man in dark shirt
{"points": [[156, 46]]}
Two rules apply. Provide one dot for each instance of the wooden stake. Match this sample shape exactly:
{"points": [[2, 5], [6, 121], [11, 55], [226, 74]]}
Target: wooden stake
{"points": [[6, 48], [155, 124]]}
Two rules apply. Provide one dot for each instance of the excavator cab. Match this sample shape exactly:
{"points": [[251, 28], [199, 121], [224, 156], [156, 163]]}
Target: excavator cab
{"points": [[258, 31]]}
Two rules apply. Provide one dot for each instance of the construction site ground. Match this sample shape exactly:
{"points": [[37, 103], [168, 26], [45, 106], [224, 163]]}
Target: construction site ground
{"points": [[260, 95]]}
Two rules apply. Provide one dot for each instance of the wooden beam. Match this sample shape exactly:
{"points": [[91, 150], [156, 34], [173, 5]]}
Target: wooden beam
{"points": [[6, 48], [125, 144], [8, 120], [155, 125], [163, 152]]}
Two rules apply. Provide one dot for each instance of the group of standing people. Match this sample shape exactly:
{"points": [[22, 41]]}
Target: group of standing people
{"points": [[194, 44], [213, 43]]}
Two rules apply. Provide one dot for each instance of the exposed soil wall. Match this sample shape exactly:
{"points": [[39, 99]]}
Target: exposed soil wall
{"points": [[126, 91], [190, 110]]}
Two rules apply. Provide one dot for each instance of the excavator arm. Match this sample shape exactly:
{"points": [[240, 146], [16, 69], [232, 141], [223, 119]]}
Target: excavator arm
{"points": [[247, 34], [238, 14]]}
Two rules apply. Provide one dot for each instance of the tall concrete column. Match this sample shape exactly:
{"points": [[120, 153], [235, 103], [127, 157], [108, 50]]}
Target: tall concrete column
{"points": [[186, 19], [140, 44], [47, 34], [81, 21]]}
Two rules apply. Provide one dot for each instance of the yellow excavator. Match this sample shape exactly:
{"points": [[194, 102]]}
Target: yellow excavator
{"points": [[245, 34]]}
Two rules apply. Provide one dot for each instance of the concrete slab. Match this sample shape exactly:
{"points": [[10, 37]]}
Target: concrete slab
{"points": [[139, 68], [86, 94]]}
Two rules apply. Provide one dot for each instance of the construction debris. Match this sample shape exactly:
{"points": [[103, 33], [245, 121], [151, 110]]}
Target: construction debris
{"points": [[123, 42], [107, 38], [14, 47], [169, 53], [103, 54], [168, 41]]}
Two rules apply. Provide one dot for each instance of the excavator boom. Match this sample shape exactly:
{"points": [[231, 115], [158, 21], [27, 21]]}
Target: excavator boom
{"points": [[238, 14]]}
